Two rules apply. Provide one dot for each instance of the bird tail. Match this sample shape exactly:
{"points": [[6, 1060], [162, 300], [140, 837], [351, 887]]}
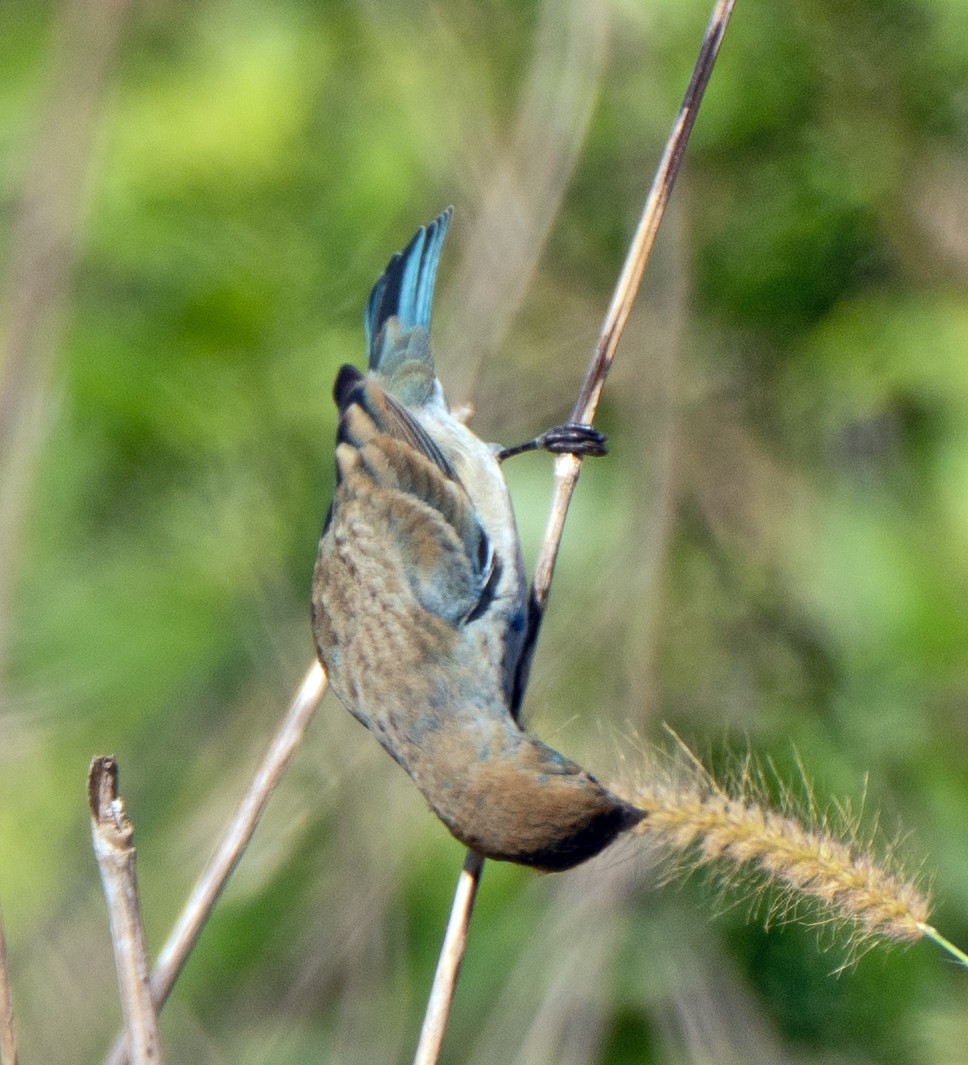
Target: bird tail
{"points": [[405, 289]]}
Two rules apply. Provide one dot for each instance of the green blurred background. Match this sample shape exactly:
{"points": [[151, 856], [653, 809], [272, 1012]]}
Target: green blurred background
{"points": [[196, 198]]}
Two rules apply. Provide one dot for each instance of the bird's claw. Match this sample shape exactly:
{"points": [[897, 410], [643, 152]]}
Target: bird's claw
{"points": [[573, 438]]}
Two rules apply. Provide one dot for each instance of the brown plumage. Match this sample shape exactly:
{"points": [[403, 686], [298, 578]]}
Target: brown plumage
{"points": [[419, 604]]}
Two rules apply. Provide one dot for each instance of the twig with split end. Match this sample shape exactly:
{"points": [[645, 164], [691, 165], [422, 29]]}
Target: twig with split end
{"points": [[230, 848], [567, 467], [112, 833]]}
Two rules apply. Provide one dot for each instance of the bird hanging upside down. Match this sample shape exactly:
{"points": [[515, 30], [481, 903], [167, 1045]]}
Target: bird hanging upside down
{"points": [[419, 602]]}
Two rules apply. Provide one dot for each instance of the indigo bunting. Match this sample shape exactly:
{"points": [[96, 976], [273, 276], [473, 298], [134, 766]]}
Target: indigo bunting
{"points": [[419, 602]]}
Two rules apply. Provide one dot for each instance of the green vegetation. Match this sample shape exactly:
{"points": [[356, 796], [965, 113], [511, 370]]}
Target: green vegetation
{"points": [[773, 558]]}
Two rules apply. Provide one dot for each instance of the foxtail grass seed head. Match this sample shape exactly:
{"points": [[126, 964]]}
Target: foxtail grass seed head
{"points": [[734, 835]]}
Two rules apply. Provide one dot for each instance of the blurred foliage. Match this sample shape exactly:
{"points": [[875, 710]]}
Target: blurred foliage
{"points": [[773, 558]]}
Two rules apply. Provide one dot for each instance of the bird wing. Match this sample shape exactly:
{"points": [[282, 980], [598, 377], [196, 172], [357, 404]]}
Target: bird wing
{"points": [[393, 471], [365, 408]]}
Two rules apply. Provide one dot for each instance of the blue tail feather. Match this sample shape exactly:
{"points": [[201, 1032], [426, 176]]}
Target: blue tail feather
{"points": [[405, 289]]}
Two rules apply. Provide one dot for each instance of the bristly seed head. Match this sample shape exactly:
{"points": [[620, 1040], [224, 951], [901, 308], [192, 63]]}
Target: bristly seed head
{"points": [[733, 834]]}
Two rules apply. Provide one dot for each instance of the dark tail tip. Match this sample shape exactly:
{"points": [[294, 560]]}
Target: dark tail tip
{"points": [[405, 289], [589, 839]]}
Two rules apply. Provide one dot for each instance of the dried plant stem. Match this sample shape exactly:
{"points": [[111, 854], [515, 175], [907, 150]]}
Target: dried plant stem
{"points": [[234, 840], [112, 833], [8, 1042], [567, 467], [652, 213], [448, 964]]}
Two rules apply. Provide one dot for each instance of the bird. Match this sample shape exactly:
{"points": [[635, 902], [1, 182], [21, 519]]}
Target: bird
{"points": [[419, 602]]}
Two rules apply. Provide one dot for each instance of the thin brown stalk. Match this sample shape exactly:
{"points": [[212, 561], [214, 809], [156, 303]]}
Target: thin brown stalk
{"points": [[231, 846], [112, 833], [8, 1042], [567, 467], [448, 964]]}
